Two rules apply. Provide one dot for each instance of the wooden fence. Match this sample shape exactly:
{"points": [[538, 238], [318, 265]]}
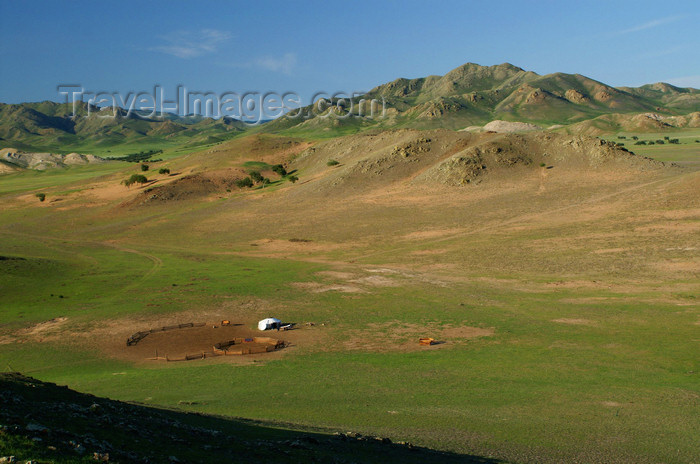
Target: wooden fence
{"points": [[254, 345], [138, 336], [237, 346]]}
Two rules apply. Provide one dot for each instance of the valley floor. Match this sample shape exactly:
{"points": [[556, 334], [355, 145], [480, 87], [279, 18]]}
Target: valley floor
{"points": [[565, 299]]}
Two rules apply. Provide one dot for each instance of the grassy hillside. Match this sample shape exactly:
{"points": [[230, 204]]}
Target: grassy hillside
{"points": [[561, 281], [470, 95], [51, 127], [474, 95]]}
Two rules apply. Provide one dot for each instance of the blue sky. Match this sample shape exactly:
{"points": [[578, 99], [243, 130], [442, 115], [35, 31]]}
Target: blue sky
{"points": [[333, 45]]}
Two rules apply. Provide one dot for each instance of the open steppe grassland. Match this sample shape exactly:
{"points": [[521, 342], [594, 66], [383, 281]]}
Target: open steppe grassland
{"points": [[565, 293]]}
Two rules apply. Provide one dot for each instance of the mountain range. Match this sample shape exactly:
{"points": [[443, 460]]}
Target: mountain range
{"points": [[53, 126], [470, 95]]}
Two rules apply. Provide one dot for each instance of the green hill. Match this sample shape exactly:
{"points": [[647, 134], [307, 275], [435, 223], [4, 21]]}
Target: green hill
{"points": [[470, 95], [49, 126], [474, 95]]}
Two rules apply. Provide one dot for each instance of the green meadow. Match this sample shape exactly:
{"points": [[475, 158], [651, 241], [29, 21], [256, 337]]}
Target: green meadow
{"points": [[590, 356]]}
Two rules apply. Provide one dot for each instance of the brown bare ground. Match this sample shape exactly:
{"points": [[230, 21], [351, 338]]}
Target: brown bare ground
{"points": [[177, 343], [399, 336]]}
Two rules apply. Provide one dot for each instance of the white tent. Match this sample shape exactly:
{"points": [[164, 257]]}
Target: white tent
{"points": [[269, 323]]}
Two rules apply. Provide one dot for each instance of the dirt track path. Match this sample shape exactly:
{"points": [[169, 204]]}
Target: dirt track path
{"points": [[157, 262]]}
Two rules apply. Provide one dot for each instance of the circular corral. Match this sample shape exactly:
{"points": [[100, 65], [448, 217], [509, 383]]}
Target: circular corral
{"points": [[196, 341]]}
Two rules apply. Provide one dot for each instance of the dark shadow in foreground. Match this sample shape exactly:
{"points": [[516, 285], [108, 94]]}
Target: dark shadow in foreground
{"points": [[45, 422]]}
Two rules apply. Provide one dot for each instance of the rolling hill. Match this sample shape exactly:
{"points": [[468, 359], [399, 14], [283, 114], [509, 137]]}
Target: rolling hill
{"points": [[49, 126], [474, 95], [470, 95]]}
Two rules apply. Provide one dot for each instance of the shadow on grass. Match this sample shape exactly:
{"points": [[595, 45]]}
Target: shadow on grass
{"points": [[46, 422]]}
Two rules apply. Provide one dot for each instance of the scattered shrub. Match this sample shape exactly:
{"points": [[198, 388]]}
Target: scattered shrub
{"points": [[144, 167], [620, 144], [135, 179], [641, 142], [293, 179], [136, 157], [41, 196], [634, 137], [650, 142], [666, 137], [163, 171], [332, 163], [543, 165], [243, 183], [660, 142], [676, 141], [279, 169], [621, 137], [256, 176]]}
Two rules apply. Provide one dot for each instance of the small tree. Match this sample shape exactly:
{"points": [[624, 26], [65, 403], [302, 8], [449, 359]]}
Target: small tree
{"points": [[293, 179], [135, 179], [279, 169], [243, 183], [256, 176], [41, 196], [163, 171], [332, 163], [634, 137], [144, 167]]}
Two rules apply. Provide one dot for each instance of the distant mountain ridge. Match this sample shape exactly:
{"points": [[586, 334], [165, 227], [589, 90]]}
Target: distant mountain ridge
{"points": [[469, 95], [51, 126], [475, 95]]}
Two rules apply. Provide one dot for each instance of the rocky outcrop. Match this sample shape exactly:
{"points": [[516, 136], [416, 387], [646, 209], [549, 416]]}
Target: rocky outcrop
{"points": [[510, 126], [574, 96], [42, 161]]}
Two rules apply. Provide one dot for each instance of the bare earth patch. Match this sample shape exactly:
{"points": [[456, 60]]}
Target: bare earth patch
{"points": [[317, 287], [399, 336], [43, 331], [611, 404], [193, 340], [434, 233], [377, 281]]}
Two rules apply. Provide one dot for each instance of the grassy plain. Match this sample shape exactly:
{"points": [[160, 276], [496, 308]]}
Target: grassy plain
{"points": [[686, 152], [566, 301]]}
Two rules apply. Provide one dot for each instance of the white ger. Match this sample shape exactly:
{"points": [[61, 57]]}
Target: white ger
{"points": [[269, 324]]}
